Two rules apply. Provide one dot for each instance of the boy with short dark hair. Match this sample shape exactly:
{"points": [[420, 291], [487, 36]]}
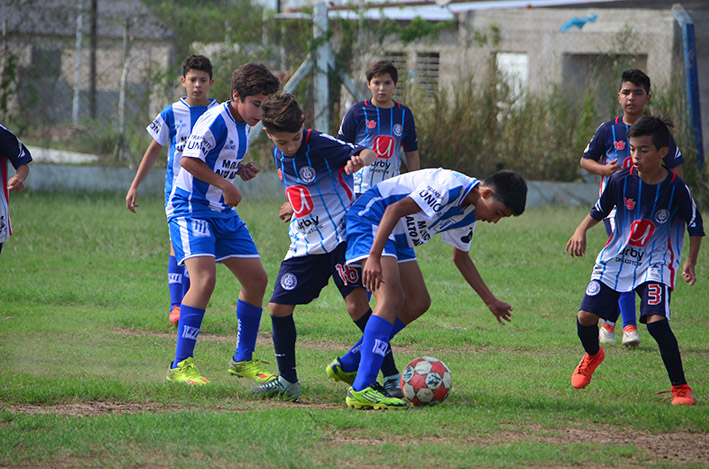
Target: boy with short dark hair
{"points": [[205, 228], [385, 126], [173, 125], [14, 151], [608, 152], [652, 205], [316, 171], [385, 225]]}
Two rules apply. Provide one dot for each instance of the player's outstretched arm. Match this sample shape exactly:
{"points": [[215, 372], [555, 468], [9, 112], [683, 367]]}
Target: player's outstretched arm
{"points": [[470, 273], [201, 171], [360, 160], [688, 270], [576, 245], [149, 158]]}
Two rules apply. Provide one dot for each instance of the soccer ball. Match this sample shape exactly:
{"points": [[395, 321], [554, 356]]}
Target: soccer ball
{"points": [[426, 381]]}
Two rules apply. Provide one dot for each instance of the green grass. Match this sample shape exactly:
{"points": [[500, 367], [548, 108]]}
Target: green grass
{"points": [[84, 347]]}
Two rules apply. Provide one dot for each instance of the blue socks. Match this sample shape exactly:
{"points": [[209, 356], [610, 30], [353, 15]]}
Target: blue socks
{"points": [[350, 360], [248, 317], [669, 350], [187, 332], [284, 336], [589, 337], [626, 304], [175, 276], [375, 343]]}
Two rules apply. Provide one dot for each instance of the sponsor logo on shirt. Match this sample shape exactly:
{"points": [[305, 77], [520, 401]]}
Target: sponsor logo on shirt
{"points": [[384, 146], [371, 124], [417, 231], [629, 203], [640, 232], [432, 198], [301, 200], [229, 169], [619, 145]]}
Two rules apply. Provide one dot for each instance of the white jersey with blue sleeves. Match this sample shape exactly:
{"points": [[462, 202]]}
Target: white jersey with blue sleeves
{"points": [[319, 191], [221, 142], [439, 193], [650, 219], [173, 126]]}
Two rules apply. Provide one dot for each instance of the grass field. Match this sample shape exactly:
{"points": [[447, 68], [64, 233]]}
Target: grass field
{"points": [[84, 346]]}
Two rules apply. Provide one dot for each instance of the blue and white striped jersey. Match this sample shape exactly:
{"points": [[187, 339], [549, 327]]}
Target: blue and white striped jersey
{"points": [[438, 192], [610, 142], [646, 244], [221, 142], [319, 191], [173, 126], [383, 130]]}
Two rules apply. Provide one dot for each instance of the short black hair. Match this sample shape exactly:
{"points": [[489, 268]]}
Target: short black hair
{"points": [[197, 62], [380, 68], [656, 127], [251, 79], [281, 113], [637, 77], [510, 189]]}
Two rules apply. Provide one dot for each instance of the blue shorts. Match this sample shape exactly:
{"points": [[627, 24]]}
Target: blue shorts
{"points": [[301, 279], [602, 300], [220, 238], [360, 237]]}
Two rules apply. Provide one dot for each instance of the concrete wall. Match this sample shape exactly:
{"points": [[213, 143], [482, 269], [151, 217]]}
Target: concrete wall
{"points": [[52, 177]]}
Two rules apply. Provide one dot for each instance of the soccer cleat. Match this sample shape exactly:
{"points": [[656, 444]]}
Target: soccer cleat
{"points": [[280, 388], [334, 371], [392, 386], [174, 316], [250, 369], [606, 334], [186, 372], [681, 395], [631, 338], [372, 398], [583, 373]]}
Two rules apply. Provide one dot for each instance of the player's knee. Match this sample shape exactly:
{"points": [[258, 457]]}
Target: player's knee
{"points": [[586, 318]]}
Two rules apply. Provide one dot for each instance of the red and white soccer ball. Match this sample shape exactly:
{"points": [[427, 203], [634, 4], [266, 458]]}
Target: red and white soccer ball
{"points": [[426, 381]]}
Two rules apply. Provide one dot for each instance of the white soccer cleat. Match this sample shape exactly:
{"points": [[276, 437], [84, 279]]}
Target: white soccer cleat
{"points": [[631, 338], [605, 336]]}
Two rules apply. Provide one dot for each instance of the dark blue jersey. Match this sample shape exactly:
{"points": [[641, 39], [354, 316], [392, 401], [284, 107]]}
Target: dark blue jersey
{"points": [[384, 130], [319, 191], [610, 142], [14, 151]]}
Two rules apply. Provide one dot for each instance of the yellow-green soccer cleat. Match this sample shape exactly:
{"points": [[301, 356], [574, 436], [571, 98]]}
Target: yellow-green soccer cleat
{"points": [[251, 369], [372, 398], [186, 372], [334, 371]]}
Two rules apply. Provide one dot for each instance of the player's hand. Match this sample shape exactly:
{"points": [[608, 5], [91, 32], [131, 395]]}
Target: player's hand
{"points": [[576, 245], [354, 164], [688, 273], [286, 212], [611, 168], [232, 196], [501, 310], [248, 171], [131, 198], [16, 184], [372, 273]]}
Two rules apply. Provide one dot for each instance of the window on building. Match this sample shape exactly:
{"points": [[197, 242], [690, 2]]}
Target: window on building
{"points": [[426, 72], [513, 68], [401, 62]]}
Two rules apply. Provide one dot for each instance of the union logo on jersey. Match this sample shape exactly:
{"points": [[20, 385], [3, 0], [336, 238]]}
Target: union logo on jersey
{"points": [[307, 174], [289, 281], [371, 124], [629, 203], [640, 232], [384, 146], [397, 130], [593, 288], [619, 145], [301, 200]]}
